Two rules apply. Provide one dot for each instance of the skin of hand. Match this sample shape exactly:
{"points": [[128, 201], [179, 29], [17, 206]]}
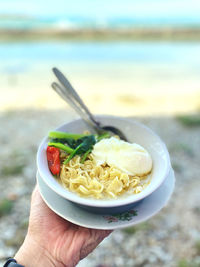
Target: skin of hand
{"points": [[53, 241]]}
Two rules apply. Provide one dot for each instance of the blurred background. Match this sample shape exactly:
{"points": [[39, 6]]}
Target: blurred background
{"points": [[133, 58]]}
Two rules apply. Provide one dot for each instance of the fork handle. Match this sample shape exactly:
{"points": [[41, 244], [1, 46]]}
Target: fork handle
{"points": [[63, 94], [70, 90]]}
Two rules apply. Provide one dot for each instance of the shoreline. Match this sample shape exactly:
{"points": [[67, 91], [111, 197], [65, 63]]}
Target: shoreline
{"points": [[133, 34]]}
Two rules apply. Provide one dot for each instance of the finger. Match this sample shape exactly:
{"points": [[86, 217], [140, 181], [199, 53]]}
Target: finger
{"points": [[101, 235], [36, 198], [38, 206], [107, 232], [35, 192], [97, 236]]}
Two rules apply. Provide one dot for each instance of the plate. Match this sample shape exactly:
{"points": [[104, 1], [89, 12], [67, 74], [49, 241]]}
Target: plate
{"points": [[144, 210], [135, 133]]}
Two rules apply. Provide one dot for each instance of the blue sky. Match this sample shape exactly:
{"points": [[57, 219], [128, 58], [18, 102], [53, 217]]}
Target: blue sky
{"points": [[102, 8]]}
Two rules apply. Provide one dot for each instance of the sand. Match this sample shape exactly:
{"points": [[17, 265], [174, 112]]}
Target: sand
{"points": [[106, 89]]}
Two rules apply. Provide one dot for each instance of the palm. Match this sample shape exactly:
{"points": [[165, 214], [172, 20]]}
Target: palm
{"points": [[64, 241]]}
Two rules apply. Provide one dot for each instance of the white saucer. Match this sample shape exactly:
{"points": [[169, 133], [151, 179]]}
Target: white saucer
{"points": [[141, 212]]}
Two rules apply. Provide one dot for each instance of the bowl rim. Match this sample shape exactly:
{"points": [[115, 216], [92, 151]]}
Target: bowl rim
{"points": [[102, 203]]}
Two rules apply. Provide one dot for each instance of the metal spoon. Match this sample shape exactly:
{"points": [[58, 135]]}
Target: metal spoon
{"points": [[68, 93]]}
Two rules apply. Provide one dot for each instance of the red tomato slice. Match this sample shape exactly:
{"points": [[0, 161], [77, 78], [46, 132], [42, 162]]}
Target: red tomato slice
{"points": [[53, 158]]}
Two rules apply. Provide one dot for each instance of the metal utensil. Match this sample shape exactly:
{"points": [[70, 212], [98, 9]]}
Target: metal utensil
{"points": [[68, 93]]}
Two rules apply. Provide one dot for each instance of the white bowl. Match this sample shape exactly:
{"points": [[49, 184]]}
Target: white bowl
{"points": [[135, 133]]}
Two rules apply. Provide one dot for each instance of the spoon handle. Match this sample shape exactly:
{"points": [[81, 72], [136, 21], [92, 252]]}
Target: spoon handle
{"points": [[70, 100], [70, 90]]}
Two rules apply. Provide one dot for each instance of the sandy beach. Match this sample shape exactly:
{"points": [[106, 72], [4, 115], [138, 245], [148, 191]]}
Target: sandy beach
{"points": [[122, 89]]}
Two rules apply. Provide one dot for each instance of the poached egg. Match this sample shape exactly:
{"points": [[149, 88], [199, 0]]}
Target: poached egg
{"points": [[132, 159]]}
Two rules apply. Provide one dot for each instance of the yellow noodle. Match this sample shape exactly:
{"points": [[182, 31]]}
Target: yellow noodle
{"points": [[90, 180]]}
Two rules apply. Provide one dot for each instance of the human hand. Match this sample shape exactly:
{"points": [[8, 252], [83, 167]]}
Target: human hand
{"points": [[53, 241]]}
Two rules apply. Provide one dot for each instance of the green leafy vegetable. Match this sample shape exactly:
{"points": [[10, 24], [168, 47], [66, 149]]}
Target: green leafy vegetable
{"points": [[84, 145], [85, 155], [64, 135], [69, 141], [102, 136], [75, 144], [75, 152], [61, 146]]}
